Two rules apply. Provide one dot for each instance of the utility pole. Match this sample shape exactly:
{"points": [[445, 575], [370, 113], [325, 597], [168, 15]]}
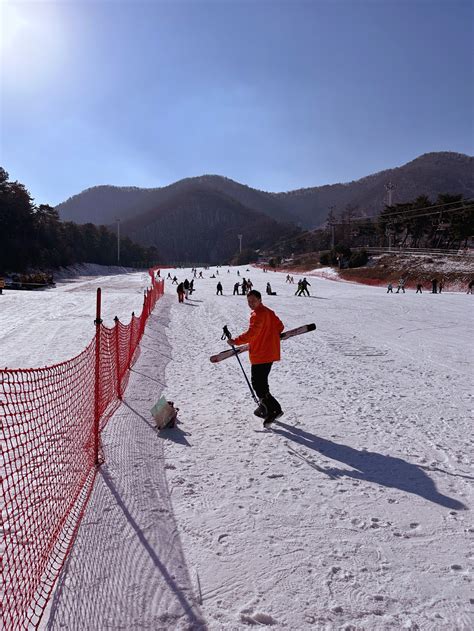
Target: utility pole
{"points": [[389, 187], [118, 240], [240, 243], [332, 223]]}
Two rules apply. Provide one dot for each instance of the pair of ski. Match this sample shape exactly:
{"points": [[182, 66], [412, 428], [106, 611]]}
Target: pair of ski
{"points": [[271, 417], [245, 347]]}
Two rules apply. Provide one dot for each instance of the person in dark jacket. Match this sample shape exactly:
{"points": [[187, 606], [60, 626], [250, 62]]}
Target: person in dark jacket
{"points": [[219, 289], [236, 289], [180, 292], [305, 285]]}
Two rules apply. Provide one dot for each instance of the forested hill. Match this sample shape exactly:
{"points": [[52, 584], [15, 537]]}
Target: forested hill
{"points": [[430, 174], [203, 226]]}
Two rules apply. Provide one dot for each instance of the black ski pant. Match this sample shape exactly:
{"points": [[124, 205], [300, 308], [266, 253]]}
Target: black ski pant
{"points": [[260, 374]]}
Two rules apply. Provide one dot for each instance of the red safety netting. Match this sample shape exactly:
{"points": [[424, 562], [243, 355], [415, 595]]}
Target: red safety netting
{"points": [[51, 420]]}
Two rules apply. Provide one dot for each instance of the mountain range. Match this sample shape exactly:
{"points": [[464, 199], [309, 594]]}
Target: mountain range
{"points": [[198, 218]]}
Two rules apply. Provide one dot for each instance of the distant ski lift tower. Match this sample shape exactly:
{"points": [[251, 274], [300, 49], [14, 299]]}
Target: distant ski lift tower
{"points": [[240, 242], [390, 188], [118, 240]]}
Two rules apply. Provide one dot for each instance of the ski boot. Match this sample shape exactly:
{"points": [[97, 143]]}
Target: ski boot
{"points": [[272, 417], [274, 410], [262, 410]]}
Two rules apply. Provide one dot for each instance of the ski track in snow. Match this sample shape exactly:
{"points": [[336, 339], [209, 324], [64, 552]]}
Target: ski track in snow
{"points": [[354, 512]]}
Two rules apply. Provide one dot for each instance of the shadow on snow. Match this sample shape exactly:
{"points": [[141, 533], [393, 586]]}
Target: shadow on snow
{"points": [[371, 466]]}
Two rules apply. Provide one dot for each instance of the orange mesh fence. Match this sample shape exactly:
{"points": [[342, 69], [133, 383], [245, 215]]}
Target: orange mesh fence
{"points": [[50, 431]]}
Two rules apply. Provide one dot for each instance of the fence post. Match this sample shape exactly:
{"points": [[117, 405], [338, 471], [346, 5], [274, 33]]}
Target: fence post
{"points": [[117, 357], [130, 343], [98, 323]]}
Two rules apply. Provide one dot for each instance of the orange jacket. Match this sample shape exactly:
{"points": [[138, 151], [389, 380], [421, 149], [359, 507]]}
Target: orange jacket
{"points": [[263, 336]]}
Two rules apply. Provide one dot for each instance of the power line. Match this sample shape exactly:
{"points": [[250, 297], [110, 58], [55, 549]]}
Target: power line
{"points": [[404, 215], [431, 214], [461, 201]]}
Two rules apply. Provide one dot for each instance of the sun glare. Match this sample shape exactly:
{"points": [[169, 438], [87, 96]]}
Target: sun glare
{"points": [[31, 40]]}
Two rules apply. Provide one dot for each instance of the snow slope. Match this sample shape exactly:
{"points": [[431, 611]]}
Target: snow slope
{"points": [[353, 513], [41, 328]]}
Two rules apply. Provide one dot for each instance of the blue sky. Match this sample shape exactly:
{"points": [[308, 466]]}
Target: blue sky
{"points": [[276, 95]]}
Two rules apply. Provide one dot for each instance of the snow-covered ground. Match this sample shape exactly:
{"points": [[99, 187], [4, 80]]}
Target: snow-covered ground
{"points": [[354, 513], [40, 328]]}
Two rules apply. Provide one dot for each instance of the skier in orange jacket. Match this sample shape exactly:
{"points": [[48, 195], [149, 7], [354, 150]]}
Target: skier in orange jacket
{"points": [[263, 338]]}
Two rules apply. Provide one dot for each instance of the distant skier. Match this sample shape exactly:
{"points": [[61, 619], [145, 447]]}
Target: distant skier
{"points": [[200, 274], [470, 286], [303, 288], [191, 286], [175, 281], [263, 337], [168, 277], [269, 290], [180, 292], [440, 286], [236, 289], [401, 285], [434, 285], [219, 289], [186, 288], [419, 287], [244, 287], [390, 288]]}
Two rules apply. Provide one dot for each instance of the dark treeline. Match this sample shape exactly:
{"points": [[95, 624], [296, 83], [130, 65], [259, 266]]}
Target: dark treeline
{"points": [[447, 222], [33, 237]]}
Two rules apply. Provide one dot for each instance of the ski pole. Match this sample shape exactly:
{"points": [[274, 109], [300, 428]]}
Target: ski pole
{"points": [[226, 335]]}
